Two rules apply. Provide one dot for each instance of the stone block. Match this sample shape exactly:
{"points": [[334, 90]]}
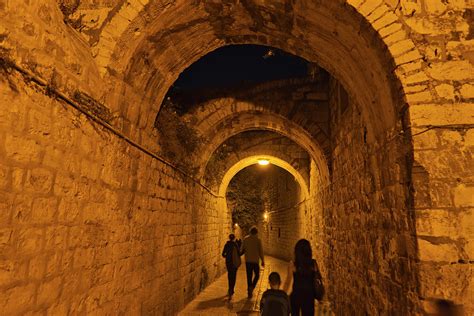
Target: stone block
{"points": [[436, 7], [56, 238], [69, 211], [443, 164], [416, 78], [29, 241], [439, 223], [49, 291], [12, 271], [18, 178], [368, 6], [18, 299], [420, 97], [453, 139], [44, 210], [426, 140], [450, 281], [467, 91], [469, 138], [390, 29], [6, 240], [65, 186], [400, 47], [6, 205], [437, 252], [452, 70], [37, 267], [385, 20], [445, 91], [4, 176], [39, 180], [436, 114], [464, 196], [22, 150]]}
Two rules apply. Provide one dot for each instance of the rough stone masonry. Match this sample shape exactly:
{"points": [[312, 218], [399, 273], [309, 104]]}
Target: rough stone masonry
{"points": [[94, 221]]}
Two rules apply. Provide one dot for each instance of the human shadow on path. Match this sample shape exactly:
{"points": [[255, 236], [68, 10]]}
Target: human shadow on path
{"points": [[212, 303]]}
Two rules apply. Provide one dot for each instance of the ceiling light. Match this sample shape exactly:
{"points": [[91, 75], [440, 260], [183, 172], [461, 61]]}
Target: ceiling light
{"points": [[263, 162]]}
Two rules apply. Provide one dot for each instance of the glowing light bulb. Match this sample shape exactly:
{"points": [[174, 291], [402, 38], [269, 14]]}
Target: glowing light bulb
{"points": [[265, 216], [263, 162]]}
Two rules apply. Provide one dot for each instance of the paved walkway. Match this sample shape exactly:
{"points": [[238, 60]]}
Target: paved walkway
{"points": [[213, 300]]}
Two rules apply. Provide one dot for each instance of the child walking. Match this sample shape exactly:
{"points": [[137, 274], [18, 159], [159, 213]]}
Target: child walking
{"points": [[275, 302]]}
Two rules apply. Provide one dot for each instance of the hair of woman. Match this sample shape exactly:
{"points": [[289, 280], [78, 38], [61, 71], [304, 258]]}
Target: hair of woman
{"points": [[303, 256]]}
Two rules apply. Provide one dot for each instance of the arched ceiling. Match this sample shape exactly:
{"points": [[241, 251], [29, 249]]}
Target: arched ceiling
{"points": [[231, 172], [156, 45], [255, 143], [248, 121]]}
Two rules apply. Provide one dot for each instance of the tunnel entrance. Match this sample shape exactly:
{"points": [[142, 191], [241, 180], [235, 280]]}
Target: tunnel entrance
{"points": [[351, 194], [116, 156], [268, 197]]}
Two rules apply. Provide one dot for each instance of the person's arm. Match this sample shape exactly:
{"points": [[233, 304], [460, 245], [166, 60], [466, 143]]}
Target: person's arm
{"points": [[262, 303], [289, 277], [224, 252], [260, 250]]}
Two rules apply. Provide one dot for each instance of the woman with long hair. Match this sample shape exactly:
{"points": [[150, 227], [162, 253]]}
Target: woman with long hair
{"points": [[302, 272]]}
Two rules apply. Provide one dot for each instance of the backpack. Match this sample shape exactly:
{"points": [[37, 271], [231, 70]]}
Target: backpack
{"points": [[235, 256], [275, 303]]}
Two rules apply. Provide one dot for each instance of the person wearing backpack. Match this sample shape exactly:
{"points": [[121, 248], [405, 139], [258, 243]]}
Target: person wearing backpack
{"points": [[274, 302], [307, 280], [231, 253]]}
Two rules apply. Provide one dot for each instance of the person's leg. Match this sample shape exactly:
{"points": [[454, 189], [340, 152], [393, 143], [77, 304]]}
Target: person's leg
{"points": [[295, 307], [307, 305], [229, 281], [256, 270], [248, 268], [232, 278]]}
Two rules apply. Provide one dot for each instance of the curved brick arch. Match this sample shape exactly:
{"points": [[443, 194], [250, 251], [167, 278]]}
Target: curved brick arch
{"points": [[247, 121], [252, 160], [334, 34], [260, 143]]}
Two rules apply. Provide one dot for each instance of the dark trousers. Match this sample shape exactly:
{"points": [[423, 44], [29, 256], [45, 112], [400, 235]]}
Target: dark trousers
{"points": [[302, 303], [231, 277], [252, 268]]}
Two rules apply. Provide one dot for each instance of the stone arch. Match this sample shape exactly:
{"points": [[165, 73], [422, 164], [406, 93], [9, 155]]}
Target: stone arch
{"points": [[248, 144], [252, 160], [335, 34], [240, 122]]}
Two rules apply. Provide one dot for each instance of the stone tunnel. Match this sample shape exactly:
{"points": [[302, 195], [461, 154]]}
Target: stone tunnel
{"points": [[117, 190]]}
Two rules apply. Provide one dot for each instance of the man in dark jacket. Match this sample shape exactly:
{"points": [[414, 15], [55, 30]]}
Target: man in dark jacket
{"points": [[231, 254]]}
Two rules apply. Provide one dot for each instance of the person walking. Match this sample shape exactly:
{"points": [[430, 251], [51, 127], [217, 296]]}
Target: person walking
{"points": [[231, 253], [274, 302], [307, 281], [253, 250]]}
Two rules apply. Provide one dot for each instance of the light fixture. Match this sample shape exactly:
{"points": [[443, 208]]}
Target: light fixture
{"points": [[236, 225], [263, 162], [265, 216]]}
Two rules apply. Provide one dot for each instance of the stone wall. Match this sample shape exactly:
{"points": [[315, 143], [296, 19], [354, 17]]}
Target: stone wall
{"points": [[284, 225], [368, 225], [90, 224]]}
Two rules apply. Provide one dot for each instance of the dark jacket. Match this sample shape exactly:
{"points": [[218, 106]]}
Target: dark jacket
{"points": [[228, 252], [275, 303]]}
